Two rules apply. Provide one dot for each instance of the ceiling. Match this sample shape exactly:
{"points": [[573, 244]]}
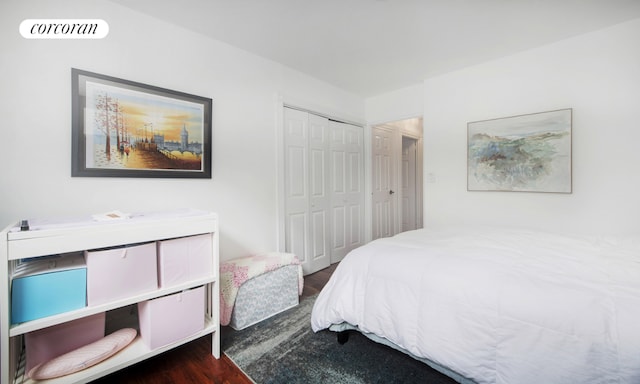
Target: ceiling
{"points": [[369, 47]]}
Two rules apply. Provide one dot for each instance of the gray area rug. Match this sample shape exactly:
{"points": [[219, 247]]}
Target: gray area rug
{"points": [[284, 349]]}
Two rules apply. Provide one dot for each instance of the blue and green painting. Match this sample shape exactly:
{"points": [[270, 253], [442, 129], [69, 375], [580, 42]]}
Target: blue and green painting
{"points": [[526, 153]]}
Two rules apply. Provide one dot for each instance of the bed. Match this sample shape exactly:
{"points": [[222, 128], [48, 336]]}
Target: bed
{"points": [[496, 305]]}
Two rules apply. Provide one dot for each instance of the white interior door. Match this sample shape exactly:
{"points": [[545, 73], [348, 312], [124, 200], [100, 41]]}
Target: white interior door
{"points": [[383, 179], [347, 188], [307, 200], [409, 192], [320, 199], [296, 148]]}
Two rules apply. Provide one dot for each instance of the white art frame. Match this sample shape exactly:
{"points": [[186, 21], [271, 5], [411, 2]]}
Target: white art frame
{"points": [[524, 153]]}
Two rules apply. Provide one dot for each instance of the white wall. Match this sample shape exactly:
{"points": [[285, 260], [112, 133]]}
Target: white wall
{"points": [[35, 131], [400, 104], [596, 74]]}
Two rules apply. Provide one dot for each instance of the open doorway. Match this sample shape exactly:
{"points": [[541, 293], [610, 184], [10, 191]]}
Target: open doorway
{"points": [[396, 177], [409, 192]]}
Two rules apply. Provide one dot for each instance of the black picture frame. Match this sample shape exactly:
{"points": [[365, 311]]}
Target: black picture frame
{"points": [[122, 128]]}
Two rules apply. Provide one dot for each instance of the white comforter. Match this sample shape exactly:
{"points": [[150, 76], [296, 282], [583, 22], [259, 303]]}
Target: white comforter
{"points": [[497, 306]]}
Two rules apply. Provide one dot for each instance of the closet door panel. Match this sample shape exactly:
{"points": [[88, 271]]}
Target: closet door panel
{"points": [[297, 237], [347, 192], [319, 235], [296, 153], [307, 207], [296, 172], [317, 175], [338, 172], [355, 231], [325, 188], [338, 230], [354, 179], [320, 200], [338, 209]]}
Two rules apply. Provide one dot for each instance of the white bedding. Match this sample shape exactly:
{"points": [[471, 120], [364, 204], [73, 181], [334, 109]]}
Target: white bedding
{"points": [[497, 305]]}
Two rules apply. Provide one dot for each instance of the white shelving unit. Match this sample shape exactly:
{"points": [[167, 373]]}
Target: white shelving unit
{"points": [[49, 238]]}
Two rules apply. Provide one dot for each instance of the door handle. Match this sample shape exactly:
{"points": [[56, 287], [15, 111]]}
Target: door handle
{"points": [[391, 192]]}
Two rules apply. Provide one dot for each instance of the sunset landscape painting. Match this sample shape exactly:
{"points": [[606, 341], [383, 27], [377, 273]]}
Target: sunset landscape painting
{"points": [[128, 128]]}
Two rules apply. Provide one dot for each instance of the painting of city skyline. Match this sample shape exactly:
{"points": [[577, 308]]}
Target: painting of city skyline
{"points": [[127, 129], [525, 153]]}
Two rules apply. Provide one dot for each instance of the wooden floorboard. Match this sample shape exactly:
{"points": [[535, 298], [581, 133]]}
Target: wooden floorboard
{"points": [[193, 363]]}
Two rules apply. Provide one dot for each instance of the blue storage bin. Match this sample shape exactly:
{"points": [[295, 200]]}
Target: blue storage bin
{"points": [[48, 286]]}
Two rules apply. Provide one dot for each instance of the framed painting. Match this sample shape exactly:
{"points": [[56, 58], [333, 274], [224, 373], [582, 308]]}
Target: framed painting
{"points": [[121, 128], [525, 153]]}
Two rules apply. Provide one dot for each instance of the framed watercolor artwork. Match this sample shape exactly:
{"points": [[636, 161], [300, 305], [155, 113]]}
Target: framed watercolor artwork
{"points": [[121, 128], [525, 153]]}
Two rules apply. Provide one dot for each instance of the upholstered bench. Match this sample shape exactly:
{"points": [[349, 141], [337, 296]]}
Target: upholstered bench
{"points": [[255, 288]]}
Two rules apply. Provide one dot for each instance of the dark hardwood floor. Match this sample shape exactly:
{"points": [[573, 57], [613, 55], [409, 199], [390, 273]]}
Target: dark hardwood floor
{"points": [[193, 363]]}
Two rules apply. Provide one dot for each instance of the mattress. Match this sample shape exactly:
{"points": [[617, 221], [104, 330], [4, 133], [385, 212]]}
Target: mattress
{"points": [[497, 305]]}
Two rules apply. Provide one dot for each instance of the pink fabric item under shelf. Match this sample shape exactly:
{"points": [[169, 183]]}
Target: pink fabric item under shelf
{"points": [[233, 273]]}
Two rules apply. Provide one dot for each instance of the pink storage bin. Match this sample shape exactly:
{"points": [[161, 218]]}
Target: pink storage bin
{"points": [[117, 273], [47, 343], [171, 318], [184, 259]]}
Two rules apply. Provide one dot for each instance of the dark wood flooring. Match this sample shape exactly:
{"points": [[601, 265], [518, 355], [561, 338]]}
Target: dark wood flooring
{"points": [[193, 363]]}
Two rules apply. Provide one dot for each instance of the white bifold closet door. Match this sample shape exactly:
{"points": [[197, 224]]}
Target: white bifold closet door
{"points": [[347, 188], [324, 188]]}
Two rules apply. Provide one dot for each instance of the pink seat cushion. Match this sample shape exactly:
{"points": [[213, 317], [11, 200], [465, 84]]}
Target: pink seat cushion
{"points": [[84, 357]]}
